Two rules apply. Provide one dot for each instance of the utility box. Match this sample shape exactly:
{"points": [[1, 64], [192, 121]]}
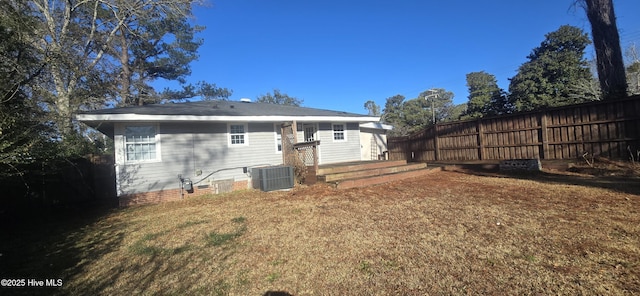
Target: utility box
{"points": [[272, 178], [187, 185]]}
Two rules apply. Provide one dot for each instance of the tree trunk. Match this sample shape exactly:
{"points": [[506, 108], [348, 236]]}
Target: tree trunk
{"points": [[606, 40]]}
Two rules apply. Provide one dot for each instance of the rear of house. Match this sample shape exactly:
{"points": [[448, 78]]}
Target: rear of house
{"points": [[213, 145]]}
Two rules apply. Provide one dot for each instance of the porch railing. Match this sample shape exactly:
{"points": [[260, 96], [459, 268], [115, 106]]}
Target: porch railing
{"points": [[308, 153]]}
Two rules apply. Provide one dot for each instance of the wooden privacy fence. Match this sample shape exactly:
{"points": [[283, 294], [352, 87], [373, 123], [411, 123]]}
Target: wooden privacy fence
{"points": [[604, 128], [62, 183]]}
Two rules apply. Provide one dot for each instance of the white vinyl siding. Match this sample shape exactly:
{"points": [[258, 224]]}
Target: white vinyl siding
{"points": [[188, 148], [332, 151]]}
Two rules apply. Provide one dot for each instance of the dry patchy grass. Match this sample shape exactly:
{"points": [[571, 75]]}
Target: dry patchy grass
{"points": [[446, 233]]}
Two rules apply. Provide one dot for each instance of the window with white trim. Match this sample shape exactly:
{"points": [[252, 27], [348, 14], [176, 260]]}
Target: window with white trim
{"points": [[339, 133], [278, 131], [141, 143], [237, 134]]}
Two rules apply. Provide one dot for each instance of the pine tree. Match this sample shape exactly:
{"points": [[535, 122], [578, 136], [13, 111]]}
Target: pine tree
{"points": [[554, 70], [485, 97]]}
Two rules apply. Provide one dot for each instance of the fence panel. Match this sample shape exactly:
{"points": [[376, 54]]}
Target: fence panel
{"points": [[458, 140]]}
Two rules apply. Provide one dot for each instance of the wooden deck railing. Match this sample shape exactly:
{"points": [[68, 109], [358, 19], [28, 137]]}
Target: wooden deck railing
{"points": [[308, 153]]}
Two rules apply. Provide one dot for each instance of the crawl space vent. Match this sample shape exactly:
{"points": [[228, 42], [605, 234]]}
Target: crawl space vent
{"points": [[272, 178]]}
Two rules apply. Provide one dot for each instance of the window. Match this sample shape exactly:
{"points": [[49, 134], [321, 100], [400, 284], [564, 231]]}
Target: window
{"points": [[278, 131], [237, 134], [141, 143], [339, 133]]}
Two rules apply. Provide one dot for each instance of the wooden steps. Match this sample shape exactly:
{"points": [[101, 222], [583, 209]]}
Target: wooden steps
{"points": [[356, 166], [366, 173]]}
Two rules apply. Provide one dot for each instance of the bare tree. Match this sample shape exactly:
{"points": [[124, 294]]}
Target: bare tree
{"points": [[372, 107], [76, 37], [633, 69], [611, 71], [279, 98]]}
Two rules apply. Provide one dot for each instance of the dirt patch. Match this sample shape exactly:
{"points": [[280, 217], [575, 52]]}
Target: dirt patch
{"points": [[603, 167]]}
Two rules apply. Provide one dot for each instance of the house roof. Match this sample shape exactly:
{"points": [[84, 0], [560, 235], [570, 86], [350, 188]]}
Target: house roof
{"points": [[376, 125], [216, 111]]}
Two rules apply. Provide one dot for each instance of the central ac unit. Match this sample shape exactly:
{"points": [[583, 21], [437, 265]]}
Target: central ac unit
{"points": [[272, 178]]}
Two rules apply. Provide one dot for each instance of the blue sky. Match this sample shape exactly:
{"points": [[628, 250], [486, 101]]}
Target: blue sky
{"points": [[339, 54]]}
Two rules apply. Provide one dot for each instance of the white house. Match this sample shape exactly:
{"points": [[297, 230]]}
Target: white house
{"points": [[216, 143]]}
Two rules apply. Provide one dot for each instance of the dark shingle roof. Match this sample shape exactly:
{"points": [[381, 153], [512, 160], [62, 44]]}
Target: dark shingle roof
{"points": [[104, 119], [222, 108]]}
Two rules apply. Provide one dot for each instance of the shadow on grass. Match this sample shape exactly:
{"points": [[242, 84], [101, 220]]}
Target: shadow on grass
{"points": [[50, 244], [61, 243], [622, 184]]}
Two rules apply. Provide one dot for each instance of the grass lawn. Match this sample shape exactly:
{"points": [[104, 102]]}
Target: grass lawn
{"points": [[445, 233]]}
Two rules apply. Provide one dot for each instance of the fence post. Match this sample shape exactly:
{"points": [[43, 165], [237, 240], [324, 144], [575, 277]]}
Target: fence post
{"points": [[544, 135], [480, 139], [407, 149], [315, 157], [436, 150]]}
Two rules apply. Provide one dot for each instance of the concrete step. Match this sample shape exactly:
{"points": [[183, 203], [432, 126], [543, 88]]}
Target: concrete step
{"points": [[368, 181], [370, 171], [357, 166]]}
